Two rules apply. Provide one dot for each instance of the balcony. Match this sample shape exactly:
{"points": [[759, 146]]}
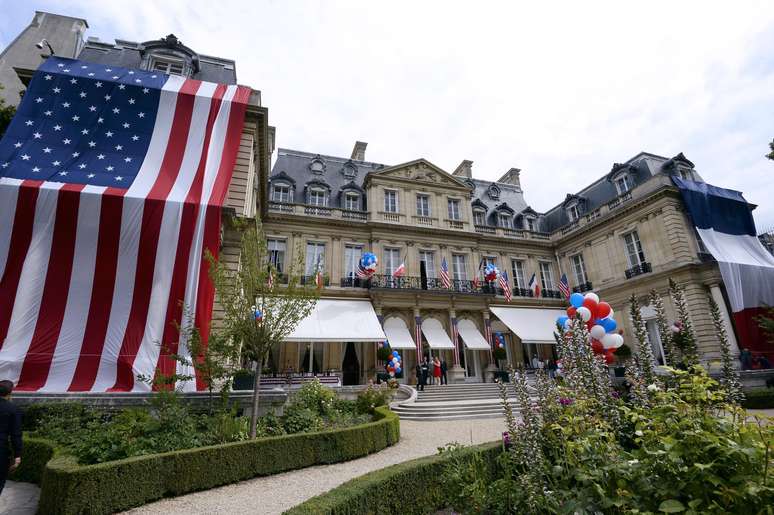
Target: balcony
{"points": [[642, 268], [455, 224], [354, 282], [570, 227], [318, 211], [423, 220], [309, 279], [415, 283], [551, 294], [390, 217], [587, 286], [510, 232], [485, 229], [619, 200]]}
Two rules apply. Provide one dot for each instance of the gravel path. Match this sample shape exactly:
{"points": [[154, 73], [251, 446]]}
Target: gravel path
{"points": [[274, 494]]}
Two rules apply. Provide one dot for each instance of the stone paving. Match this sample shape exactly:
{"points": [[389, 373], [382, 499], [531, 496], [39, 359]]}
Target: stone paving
{"points": [[19, 498]]}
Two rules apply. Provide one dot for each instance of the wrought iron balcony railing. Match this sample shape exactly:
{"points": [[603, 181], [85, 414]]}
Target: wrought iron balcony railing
{"points": [[642, 268], [587, 286]]}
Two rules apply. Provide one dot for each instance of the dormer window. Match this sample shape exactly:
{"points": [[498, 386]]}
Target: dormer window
{"points": [[621, 183], [529, 223], [318, 197], [317, 166], [349, 170], [281, 192], [505, 220], [573, 213], [479, 217], [685, 174], [167, 64], [352, 201]]}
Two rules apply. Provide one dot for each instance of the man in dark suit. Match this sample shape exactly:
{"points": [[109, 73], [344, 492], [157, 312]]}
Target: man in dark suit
{"points": [[10, 432], [444, 379], [425, 370], [420, 382]]}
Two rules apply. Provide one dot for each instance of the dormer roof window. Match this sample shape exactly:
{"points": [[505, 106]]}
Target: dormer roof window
{"points": [[317, 166], [169, 55], [167, 64], [621, 182], [349, 170], [493, 192]]}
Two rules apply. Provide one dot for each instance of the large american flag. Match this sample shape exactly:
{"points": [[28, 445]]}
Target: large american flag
{"points": [[445, 274], [111, 187]]}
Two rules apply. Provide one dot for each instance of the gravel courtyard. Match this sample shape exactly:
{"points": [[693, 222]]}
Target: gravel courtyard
{"points": [[274, 494]]}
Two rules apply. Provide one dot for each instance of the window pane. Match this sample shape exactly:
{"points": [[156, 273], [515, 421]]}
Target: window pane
{"points": [[458, 267], [517, 267], [634, 251], [352, 255], [391, 260], [277, 254], [315, 256], [546, 276], [454, 209], [429, 258], [478, 217], [390, 202], [579, 268], [506, 221], [423, 205]]}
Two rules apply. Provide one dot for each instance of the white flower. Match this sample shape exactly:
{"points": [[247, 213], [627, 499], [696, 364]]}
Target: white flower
{"points": [[638, 432], [653, 388], [634, 462]]}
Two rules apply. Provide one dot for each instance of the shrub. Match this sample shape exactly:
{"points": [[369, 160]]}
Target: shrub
{"points": [[758, 399], [300, 419], [373, 397], [69, 488], [315, 396], [37, 453]]}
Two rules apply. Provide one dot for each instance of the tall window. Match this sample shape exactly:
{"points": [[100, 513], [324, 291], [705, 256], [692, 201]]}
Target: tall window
{"points": [[622, 184], [167, 65], [352, 255], [459, 270], [505, 220], [634, 252], [391, 201], [529, 223], [579, 268], [352, 201], [315, 255], [277, 253], [280, 193], [490, 260], [573, 213], [423, 205], [546, 275], [428, 257], [391, 260], [318, 197], [517, 267], [479, 217], [454, 209]]}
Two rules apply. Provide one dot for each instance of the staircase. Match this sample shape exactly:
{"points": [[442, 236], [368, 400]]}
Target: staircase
{"points": [[454, 402]]}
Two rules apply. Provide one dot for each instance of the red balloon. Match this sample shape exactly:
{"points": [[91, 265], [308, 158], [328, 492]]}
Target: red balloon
{"points": [[571, 312], [592, 305], [609, 358], [597, 347], [603, 310]]}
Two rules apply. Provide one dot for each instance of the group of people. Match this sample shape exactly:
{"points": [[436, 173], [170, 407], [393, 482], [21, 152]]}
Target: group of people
{"points": [[751, 362], [549, 365], [431, 370]]}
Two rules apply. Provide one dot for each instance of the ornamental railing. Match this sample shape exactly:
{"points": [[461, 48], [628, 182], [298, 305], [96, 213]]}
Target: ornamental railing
{"points": [[642, 268], [587, 286]]}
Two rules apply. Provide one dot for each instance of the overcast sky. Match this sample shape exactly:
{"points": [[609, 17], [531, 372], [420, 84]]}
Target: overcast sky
{"points": [[561, 91]]}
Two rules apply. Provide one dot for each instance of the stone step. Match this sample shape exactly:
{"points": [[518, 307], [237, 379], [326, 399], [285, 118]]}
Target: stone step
{"points": [[413, 408], [458, 416]]}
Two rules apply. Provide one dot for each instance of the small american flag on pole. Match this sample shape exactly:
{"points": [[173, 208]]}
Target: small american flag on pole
{"points": [[505, 286], [111, 187], [445, 281], [564, 286]]}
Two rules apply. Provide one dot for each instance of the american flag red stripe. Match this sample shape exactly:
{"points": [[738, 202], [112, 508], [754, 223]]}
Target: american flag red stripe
{"points": [[95, 276], [418, 336], [444, 274], [502, 280]]}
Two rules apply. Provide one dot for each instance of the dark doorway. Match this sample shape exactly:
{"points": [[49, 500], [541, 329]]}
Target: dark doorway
{"points": [[351, 366]]}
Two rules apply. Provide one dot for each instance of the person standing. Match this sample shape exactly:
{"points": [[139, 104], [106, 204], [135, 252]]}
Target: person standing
{"points": [[420, 381], [746, 358], [551, 368], [424, 372], [10, 432], [444, 368], [437, 370]]}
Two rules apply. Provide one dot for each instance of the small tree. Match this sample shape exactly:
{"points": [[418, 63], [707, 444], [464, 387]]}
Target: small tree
{"points": [[770, 155], [6, 114], [729, 379], [684, 339], [254, 286], [663, 327], [645, 357]]}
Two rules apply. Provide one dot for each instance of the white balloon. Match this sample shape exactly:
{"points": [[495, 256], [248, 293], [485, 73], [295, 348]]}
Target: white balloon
{"points": [[584, 313], [592, 295], [619, 340], [597, 332], [568, 324], [609, 341]]}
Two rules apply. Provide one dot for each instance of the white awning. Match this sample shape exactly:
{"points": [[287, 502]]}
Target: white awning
{"points": [[471, 337], [435, 334], [531, 325], [339, 320], [398, 334]]}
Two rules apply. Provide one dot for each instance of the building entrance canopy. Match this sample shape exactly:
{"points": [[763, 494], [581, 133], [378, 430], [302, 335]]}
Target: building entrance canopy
{"points": [[472, 338], [435, 334], [339, 320], [530, 325], [398, 334]]}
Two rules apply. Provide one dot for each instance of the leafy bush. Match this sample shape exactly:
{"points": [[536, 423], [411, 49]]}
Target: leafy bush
{"points": [[373, 397], [316, 397], [37, 453], [69, 488], [300, 419], [758, 399]]}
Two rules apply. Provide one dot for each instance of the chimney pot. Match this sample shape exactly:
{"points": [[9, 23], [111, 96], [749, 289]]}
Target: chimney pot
{"points": [[511, 177], [465, 169], [358, 152]]}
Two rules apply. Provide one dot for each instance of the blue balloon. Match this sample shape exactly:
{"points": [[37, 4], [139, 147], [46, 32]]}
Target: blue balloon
{"points": [[397, 370], [562, 320], [394, 353], [609, 324], [576, 299]]}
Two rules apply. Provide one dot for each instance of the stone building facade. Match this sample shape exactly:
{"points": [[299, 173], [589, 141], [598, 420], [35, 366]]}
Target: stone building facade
{"points": [[625, 233]]}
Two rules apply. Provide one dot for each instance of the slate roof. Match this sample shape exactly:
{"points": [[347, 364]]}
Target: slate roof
{"points": [[129, 54]]}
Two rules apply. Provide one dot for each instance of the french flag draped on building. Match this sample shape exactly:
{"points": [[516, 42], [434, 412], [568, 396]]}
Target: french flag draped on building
{"points": [[111, 187], [725, 224]]}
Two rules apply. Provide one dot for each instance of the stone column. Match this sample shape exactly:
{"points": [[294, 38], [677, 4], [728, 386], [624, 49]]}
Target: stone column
{"points": [[717, 296], [380, 317], [491, 369], [457, 373], [418, 334]]}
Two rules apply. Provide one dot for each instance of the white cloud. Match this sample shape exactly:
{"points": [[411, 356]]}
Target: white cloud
{"points": [[559, 90]]}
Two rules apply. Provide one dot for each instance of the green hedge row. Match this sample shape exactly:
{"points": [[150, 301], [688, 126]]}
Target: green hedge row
{"points": [[37, 453], [758, 399], [69, 488], [413, 487]]}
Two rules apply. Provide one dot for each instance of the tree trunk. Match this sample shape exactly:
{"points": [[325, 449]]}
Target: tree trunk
{"points": [[256, 392]]}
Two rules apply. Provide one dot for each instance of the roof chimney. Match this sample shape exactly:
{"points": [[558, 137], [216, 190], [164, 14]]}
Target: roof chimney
{"points": [[465, 169], [358, 152], [511, 177]]}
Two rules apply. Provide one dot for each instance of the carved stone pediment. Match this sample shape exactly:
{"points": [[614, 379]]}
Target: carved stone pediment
{"points": [[421, 171]]}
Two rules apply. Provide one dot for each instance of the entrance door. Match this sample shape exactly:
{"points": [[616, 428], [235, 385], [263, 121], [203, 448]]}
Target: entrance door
{"points": [[472, 366], [350, 366]]}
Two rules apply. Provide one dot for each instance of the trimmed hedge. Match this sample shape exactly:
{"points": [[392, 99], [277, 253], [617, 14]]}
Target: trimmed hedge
{"points": [[69, 488], [36, 454], [758, 399], [416, 484]]}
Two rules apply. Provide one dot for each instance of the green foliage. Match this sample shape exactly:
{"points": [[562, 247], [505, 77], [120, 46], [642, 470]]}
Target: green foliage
{"points": [[412, 488], [384, 353], [37, 453], [758, 399], [499, 353], [6, 115], [766, 323], [770, 155], [315, 396], [373, 397], [70, 488]]}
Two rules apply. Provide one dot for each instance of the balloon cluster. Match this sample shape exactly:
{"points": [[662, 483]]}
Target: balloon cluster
{"points": [[394, 364], [491, 272], [258, 314], [500, 340], [599, 320], [368, 263]]}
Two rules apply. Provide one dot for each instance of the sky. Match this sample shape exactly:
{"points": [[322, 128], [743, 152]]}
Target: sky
{"points": [[560, 90]]}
